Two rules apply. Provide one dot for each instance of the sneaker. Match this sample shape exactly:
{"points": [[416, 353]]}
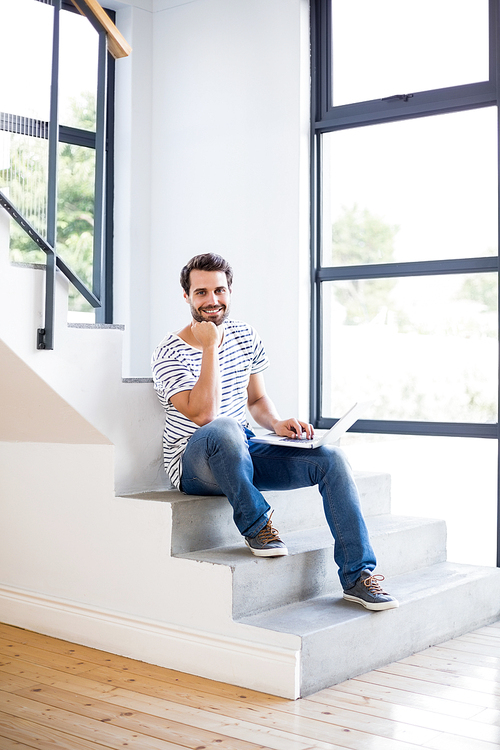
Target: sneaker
{"points": [[267, 542], [367, 592]]}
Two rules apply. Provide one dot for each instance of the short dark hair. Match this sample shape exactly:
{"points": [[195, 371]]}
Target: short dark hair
{"points": [[206, 262]]}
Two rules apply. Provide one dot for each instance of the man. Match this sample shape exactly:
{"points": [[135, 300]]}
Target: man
{"points": [[206, 376]]}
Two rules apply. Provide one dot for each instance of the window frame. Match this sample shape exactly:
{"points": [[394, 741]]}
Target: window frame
{"points": [[326, 118], [102, 141]]}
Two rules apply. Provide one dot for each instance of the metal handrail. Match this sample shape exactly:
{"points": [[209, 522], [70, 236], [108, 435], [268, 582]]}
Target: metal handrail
{"points": [[100, 296], [45, 336]]}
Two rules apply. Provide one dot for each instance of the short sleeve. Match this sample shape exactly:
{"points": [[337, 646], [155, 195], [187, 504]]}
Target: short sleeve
{"points": [[260, 360], [172, 372]]}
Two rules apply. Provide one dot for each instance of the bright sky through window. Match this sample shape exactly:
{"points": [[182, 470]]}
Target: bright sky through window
{"points": [[387, 47], [26, 40]]}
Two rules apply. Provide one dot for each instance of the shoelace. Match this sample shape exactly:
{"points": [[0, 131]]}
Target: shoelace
{"points": [[373, 585], [268, 533]]}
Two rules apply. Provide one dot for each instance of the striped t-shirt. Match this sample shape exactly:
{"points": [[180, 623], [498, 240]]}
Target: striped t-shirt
{"points": [[176, 367]]}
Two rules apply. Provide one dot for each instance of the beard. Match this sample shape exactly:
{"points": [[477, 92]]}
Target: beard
{"points": [[218, 319]]}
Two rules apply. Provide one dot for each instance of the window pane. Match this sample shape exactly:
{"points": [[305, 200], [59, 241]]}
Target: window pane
{"points": [[26, 42], [23, 178], [424, 348], [387, 47], [418, 189], [75, 215], [78, 72], [438, 477]]}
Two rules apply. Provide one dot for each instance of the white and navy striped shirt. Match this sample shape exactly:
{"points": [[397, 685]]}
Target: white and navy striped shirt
{"points": [[176, 367]]}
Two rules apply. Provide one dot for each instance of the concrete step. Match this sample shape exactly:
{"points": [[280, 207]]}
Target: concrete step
{"points": [[259, 584], [201, 522], [341, 640]]}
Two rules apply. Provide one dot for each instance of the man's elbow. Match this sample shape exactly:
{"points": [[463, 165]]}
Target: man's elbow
{"points": [[204, 418]]}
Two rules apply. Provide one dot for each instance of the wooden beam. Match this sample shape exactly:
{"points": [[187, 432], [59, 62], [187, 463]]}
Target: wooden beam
{"points": [[117, 44]]}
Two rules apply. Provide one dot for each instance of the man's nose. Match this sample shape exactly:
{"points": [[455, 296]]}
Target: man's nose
{"points": [[211, 299]]}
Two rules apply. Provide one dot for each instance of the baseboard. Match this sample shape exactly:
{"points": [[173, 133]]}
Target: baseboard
{"points": [[252, 665]]}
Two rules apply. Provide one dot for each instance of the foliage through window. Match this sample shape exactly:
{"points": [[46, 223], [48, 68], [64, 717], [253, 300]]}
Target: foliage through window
{"points": [[405, 217], [24, 132]]}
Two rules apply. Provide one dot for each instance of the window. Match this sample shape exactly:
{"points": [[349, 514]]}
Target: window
{"points": [[405, 216], [80, 193], [382, 48]]}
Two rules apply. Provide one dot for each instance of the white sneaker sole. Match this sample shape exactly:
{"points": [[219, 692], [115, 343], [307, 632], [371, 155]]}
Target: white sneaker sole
{"points": [[374, 606], [273, 552]]}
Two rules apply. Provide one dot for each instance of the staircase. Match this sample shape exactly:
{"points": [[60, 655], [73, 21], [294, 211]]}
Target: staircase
{"points": [[300, 594], [95, 550]]}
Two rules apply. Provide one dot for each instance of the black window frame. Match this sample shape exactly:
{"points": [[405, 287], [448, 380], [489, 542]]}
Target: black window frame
{"points": [[102, 287], [327, 118]]}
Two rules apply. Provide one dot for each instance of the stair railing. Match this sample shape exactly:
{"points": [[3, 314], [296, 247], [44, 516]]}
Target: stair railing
{"points": [[45, 335], [110, 40]]}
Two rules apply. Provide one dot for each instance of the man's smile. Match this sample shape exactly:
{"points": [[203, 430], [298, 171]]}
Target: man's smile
{"points": [[211, 310]]}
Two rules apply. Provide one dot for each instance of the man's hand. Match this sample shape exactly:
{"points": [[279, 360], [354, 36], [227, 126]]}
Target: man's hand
{"points": [[293, 428], [206, 333], [264, 412]]}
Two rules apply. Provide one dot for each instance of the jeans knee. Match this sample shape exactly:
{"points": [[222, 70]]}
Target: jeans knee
{"points": [[335, 460], [227, 432], [226, 427]]}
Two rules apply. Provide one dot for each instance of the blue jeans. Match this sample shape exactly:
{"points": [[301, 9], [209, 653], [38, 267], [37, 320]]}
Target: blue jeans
{"points": [[219, 460]]}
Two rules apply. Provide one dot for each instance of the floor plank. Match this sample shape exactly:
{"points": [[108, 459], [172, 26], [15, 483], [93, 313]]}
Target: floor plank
{"points": [[81, 727], [19, 733], [148, 724], [54, 694], [423, 684], [464, 656], [431, 672], [478, 647], [418, 718]]}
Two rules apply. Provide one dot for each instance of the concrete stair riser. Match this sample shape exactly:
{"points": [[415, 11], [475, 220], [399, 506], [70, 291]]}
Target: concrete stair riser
{"points": [[309, 570], [204, 522], [340, 640], [404, 544], [433, 616]]}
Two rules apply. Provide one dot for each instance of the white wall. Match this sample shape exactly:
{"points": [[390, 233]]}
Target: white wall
{"points": [[133, 188], [211, 153], [228, 169]]}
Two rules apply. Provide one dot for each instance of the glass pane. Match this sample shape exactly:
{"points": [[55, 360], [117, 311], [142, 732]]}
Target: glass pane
{"points": [[23, 178], [424, 348], [387, 47], [419, 189], [438, 477], [78, 72], [26, 43], [75, 216]]}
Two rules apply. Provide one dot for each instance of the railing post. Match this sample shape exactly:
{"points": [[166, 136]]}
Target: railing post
{"points": [[46, 334], [98, 286]]}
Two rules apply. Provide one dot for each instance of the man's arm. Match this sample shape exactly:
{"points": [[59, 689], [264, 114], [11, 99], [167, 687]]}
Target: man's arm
{"points": [[201, 404], [264, 411]]}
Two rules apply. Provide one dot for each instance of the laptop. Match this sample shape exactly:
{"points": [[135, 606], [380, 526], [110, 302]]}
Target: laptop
{"points": [[333, 434]]}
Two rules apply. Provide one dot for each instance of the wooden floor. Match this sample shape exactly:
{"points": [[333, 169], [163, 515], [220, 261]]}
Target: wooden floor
{"points": [[58, 695]]}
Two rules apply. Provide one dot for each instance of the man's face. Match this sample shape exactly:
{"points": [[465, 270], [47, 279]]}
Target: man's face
{"points": [[209, 297]]}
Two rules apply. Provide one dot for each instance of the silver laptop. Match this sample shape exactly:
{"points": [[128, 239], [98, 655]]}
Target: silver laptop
{"points": [[333, 434]]}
